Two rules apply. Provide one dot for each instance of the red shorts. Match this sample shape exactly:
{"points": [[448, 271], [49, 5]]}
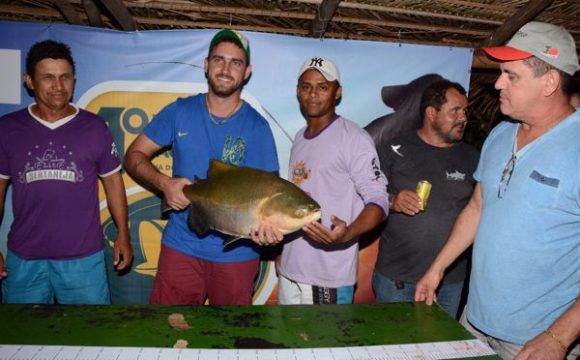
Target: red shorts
{"points": [[186, 280]]}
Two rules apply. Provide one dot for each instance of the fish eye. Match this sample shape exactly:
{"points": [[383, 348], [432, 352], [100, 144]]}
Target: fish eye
{"points": [[301, 213]]}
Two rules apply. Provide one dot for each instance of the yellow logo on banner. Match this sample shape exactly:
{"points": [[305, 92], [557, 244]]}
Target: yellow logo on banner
{"points": [[127, 113]]}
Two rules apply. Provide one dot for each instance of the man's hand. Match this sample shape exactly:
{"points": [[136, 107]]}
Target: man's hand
{"points": [[3, 272], [427, 285], [542, 347], [320, 233], [406, 202], [173, 191], [266, 234], [122, 253]]}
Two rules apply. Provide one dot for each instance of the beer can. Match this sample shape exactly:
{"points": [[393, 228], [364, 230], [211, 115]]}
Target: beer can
{"points": [[423, 190]]}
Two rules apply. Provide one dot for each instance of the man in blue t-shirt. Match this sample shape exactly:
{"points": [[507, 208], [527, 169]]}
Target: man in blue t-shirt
{"points": [[216, 125], [524, 215]]}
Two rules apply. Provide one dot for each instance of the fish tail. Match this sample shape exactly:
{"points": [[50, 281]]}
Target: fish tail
{"points": [[198, 219], [231, 241]]}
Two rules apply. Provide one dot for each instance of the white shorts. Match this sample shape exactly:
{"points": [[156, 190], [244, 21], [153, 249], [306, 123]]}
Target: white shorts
{"points": [[294, 293]]}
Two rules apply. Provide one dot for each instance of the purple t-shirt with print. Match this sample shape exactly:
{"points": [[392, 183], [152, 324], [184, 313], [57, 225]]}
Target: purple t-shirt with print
{"points": [[53, 169]]}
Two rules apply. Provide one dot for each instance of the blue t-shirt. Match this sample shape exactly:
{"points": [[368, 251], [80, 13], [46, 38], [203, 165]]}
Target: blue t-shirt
{"points": [[526, 256], [244, 139]]}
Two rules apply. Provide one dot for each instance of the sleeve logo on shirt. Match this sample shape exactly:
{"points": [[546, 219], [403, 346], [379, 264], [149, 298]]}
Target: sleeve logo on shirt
{"points": [[376, 169], [114, 151]]}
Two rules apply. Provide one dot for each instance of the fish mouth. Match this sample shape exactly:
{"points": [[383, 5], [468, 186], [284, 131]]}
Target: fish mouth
{"points": [[315, 215]]}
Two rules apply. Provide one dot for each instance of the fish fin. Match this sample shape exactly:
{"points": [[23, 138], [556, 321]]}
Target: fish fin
{"points": [[216, 167], [164, 207], [188, 190], [197, 219], [232, 240], [264, 203]]}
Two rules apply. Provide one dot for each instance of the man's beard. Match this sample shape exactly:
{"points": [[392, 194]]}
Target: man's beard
{"points": [[450, 137], [223, 91]]}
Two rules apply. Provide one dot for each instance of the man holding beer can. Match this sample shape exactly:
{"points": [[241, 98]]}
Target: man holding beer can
{"points": [[430, 181]]}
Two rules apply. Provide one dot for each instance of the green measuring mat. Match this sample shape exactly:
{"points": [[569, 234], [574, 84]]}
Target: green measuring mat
{"points": [[228, 327]]}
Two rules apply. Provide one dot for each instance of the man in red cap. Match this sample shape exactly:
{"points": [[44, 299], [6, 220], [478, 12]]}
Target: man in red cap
{"points": [[523, 218]]}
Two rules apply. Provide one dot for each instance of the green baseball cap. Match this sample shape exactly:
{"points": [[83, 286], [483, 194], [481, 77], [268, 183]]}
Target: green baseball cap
{"points": [[232, 35]]}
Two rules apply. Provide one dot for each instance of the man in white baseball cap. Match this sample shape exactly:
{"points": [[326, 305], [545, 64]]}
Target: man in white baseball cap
{"points": [[523, 218], [324, 66], [334, 161]]}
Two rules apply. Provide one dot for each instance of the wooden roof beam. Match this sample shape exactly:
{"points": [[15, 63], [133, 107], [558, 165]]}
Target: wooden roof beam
{"points": [[524, 15], [507, 10], [68, 12], [471, 4], [415, 12], [270, 29], [324, 13], [120, 13], [181, 8], [93, 13], [25, 10]]}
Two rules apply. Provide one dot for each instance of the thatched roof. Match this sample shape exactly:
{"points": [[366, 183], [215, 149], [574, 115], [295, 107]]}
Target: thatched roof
{"points": [[444, 22], [463, 23]]}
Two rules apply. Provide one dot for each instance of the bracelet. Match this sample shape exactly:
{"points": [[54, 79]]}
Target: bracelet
{"points": [[556, 339]]}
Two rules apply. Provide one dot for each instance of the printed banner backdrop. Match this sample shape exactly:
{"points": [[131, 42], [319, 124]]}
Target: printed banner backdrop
{"points": [[127, 78]]}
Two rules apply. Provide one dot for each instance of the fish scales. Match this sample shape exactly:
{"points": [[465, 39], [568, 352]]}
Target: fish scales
{"points": [[233, 200]]}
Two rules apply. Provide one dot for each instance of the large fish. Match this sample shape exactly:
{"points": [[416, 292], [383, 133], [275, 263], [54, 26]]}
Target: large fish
{"points": [[233, 200]]}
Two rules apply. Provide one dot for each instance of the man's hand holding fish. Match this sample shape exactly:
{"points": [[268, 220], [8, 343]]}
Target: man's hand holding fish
{"points": [[173, 192]]}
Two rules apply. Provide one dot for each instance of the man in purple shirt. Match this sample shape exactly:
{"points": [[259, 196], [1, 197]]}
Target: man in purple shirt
{"points": [[53, 153], [334, 161]]}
